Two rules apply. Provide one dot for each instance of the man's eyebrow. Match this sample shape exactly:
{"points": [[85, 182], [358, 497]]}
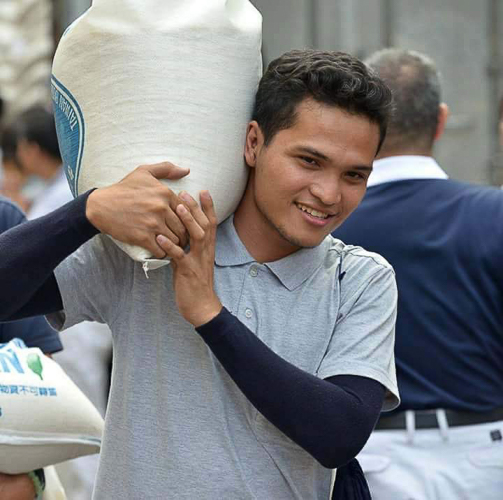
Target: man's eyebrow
{"points": [[312, 152], [365, 168], [321, 156]]}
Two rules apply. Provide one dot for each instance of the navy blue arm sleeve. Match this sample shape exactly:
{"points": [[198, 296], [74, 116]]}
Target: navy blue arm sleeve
{"points": [[30, 253], [330, 419]]}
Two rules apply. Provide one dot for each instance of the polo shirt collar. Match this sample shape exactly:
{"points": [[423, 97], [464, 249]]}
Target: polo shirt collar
{"points": [[292, 270], [406, 167]]}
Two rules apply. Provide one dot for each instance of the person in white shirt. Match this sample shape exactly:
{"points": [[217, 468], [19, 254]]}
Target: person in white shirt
{"points": [[443, 238]]}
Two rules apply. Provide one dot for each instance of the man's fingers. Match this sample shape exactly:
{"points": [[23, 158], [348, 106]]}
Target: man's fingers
{"points": [[167, 170], [195, 210], [208, 206], [156, 250], [171, 235], [173, 251], [196, 233], [176, 226]]}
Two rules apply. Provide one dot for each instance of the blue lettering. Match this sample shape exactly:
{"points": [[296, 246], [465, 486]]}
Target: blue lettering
{"points": [[7, 358]]}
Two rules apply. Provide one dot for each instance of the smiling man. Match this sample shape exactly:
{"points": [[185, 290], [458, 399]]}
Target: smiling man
{"points": [[292, 361]]}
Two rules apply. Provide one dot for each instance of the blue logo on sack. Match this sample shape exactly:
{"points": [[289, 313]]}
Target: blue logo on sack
{"points": [[71, 131]]}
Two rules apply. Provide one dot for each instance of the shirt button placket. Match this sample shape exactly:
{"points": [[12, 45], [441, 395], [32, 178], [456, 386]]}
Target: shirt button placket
{"points": [[249, 314]]}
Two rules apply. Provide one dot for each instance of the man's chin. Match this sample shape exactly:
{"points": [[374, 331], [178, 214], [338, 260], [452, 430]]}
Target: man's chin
{"points": [[305, 242]]}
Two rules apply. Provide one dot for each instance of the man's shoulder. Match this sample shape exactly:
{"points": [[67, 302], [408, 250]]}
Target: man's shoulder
{"points": [[356, 258], [10, 214]]}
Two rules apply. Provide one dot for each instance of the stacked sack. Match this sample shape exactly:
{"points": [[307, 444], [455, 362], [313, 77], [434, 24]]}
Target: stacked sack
{"points": [[44, 417], [136, 83]]}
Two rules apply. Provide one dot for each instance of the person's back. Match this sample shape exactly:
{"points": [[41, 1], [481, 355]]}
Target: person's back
{"points": [[443, 239]]}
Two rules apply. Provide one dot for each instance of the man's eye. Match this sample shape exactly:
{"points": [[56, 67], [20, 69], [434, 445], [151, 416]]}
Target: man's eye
{"points": [[356, 175], [309, 161]]}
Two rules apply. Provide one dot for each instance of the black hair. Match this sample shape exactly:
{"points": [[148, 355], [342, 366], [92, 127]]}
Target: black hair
{"points": [[37, 125], [333, 78]]}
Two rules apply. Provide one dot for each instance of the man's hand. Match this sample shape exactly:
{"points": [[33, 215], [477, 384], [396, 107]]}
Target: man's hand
{"points": [[193, 271], [139, 207], [18, 487]]}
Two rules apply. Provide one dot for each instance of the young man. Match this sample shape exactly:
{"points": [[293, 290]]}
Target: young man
{"points": [[443, 239], [294, 358]]}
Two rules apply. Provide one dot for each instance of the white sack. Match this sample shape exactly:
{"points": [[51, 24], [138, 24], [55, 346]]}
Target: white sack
{"points": [[139, 82], [44, 417]]}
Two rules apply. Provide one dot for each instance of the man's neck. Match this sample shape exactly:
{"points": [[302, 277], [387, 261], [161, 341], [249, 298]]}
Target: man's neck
{"points": [[386, 153], [260, 238]]}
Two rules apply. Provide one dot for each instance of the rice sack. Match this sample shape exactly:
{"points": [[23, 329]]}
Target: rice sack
{"points": [[44, 417], [139, 82]]}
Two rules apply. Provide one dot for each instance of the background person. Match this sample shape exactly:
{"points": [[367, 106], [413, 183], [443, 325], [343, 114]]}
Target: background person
{"points": [[444, 240], [12, 179], [267, 391], [35, 332], [88, 346]]}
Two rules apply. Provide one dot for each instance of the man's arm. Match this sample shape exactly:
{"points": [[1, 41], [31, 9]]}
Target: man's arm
{"points": [[18, 487], [331, 419], [134, 211]]}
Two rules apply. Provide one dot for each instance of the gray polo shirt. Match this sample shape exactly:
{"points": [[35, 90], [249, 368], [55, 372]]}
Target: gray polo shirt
{"points": [[177, 426]]}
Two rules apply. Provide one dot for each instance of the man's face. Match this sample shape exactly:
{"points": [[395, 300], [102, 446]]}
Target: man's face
{"points": [[310, 177]]}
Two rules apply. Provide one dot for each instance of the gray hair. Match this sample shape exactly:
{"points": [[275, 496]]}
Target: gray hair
{"points": [[415, 84]]}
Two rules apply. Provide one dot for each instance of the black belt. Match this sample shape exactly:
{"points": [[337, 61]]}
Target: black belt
{"points": [[427, 419]]}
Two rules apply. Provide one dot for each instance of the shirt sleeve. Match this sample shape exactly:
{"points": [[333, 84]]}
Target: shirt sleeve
{"points": [[92, 282], [34, 332], [364, 336], [10, 215]]}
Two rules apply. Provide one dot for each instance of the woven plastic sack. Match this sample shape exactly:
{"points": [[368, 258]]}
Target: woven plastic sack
{"points": [[139, 82], [44, 417]]}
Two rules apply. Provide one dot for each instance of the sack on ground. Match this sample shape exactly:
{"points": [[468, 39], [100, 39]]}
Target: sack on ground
{"points": [[44, 417], [139, 82]]}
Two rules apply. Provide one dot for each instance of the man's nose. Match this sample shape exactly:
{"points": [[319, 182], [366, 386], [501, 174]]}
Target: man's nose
{"points": [[328, 191]]}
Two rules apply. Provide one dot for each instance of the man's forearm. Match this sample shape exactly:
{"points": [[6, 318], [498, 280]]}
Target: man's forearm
{"points": [[30, 253], [331, 419]]}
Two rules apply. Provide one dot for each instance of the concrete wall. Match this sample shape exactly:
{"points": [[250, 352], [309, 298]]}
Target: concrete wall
{"points": [[465, 38]]}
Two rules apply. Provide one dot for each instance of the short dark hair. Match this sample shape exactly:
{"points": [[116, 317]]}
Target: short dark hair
{"points": [[8, 143], [333, 78], [415, 83], [37, 125]]}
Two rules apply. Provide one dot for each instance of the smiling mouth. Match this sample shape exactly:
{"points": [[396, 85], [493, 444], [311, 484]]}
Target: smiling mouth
{"points": [[314, 213]]}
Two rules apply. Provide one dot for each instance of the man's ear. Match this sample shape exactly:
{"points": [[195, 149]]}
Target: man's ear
{"points": [[443, 115], [253, 144]]}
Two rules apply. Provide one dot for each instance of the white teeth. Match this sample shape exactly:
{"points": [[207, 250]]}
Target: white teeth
{"points": [[315, 213]]}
